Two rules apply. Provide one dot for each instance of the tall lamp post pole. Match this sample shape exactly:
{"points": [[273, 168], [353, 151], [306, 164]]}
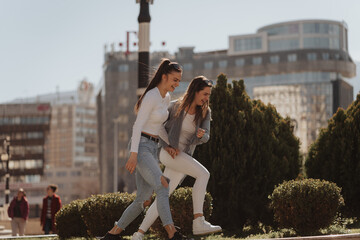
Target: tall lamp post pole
{"points": [[6, 157], [116, 154], [144, 45]]}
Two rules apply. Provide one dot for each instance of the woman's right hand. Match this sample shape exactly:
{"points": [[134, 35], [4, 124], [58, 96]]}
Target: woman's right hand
{"points": [[172, 151], [131, 163]]}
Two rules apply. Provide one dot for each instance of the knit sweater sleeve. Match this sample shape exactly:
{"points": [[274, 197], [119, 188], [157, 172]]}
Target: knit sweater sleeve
{"points": [[146, 107]]}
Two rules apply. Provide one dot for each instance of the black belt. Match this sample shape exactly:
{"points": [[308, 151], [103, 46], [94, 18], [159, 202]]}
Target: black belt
{"points": [[150, 137]]}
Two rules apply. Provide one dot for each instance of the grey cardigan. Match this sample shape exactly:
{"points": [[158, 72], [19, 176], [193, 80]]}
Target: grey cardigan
{"points": [[170, 134]]}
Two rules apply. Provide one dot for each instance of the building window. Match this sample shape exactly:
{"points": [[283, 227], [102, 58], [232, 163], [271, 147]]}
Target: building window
{"points": [[208, 65], [284, 44], [325, 56], [75, 173], [124, 85], [123, 102], [240, 62], [188, 66], [257, 60], [292, 57], [283, 30], [321, 28], [123, 136], [311, 56], [123, 119], [248, 44], [61, 174], [49, 174], [274, 59], [223, 64], [321, 42], [336, 56], [123, 68], [122, 153]]}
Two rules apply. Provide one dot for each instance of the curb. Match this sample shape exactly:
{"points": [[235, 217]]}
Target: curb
{"points": [[351, 236], [29, 237]]}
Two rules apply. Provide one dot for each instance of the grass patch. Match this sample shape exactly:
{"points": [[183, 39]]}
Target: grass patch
{"points": [[340, 226]]}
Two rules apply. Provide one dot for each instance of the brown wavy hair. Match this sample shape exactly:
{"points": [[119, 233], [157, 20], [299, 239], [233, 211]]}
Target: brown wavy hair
{"points": [[196, 85], [165, 67]]}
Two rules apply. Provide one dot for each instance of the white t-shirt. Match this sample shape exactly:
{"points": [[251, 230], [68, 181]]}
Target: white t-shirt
{"points": [[150, 117], [187, 131]]}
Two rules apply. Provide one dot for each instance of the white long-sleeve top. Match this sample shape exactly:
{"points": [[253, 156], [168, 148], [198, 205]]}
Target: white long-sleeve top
{"points": [[152, 113]]}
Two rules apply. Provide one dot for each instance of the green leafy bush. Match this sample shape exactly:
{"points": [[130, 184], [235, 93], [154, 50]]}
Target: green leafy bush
{"points": [[100, 212], [306, 205], [181, 206], [335, 155], [69, 222], [251, 149]]}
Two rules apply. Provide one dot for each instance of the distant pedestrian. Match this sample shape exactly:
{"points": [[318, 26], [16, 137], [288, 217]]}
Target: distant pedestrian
{"points": [[18, 211], [51, 205]]}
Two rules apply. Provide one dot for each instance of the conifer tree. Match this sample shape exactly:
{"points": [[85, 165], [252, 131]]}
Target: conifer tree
{"points": [[251, 149], [335, 155]]}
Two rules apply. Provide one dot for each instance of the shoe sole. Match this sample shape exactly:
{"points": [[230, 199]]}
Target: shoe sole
{"points": [[206, 233]]}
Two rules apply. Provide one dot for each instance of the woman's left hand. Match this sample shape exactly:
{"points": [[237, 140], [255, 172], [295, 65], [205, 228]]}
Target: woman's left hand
{"points": [[200, 133]]}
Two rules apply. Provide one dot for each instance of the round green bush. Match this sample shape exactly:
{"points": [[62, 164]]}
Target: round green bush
{"points": [[69, 222], [100, 212], [181, 207], [306, 205]]}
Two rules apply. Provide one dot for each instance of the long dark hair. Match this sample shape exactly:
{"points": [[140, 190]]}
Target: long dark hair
{"points": [[165, 67], [196, 85]]}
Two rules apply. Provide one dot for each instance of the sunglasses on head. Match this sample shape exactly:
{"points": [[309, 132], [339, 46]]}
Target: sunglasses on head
{"points": [[175, 66], [208, 82]]}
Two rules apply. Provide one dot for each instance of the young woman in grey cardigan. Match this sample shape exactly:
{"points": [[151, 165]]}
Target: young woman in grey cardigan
{"points": [[188, 125]]}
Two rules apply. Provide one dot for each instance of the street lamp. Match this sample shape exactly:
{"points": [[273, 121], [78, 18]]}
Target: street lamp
{"points": [[116, 153], [144, 45], [5, 157]]}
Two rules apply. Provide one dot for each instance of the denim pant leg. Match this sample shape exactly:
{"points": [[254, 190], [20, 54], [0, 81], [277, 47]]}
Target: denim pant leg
{"points": [[148, 176], [151, 172], [144, 191]]}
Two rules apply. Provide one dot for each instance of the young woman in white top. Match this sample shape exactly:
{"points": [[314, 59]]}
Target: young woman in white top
{"points": [[152, 112], [188, 126]]}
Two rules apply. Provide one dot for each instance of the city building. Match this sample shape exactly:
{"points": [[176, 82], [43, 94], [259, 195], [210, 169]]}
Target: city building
{"points": [[301, 67], [28, 127], [71, 146]]}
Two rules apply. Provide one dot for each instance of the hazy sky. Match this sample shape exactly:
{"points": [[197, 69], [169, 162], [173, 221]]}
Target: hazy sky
{"points": [[50, 43]]}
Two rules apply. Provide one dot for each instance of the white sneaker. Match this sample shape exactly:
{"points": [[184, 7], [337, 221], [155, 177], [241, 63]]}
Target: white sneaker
{"points": [[137, 236], [202, 227]]}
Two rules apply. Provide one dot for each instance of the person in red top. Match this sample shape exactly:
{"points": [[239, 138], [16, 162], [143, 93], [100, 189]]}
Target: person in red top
{"points": [[18, 211], [51, 205]]}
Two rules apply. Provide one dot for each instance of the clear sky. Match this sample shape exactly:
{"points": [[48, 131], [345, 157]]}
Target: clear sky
{"points": [[50, 43]]}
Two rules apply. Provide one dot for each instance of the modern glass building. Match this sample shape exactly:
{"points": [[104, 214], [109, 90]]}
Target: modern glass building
{"points": [[299, 66], [311, 55]]}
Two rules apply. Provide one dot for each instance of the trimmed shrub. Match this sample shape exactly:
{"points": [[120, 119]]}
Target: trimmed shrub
{"points": [[181, 206], [100, 212], [306, 205], [251, 149], [69, 222], [335, 155]]}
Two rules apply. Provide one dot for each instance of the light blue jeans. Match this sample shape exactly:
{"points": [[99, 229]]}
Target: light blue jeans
{"points": [[148, 179]]}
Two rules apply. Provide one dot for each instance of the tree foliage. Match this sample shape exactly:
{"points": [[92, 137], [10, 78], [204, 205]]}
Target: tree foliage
{"points": [[251, 149], [335, 155]]}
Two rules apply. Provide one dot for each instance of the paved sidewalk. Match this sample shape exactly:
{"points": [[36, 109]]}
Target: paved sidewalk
{"points": [[29, 236]]}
